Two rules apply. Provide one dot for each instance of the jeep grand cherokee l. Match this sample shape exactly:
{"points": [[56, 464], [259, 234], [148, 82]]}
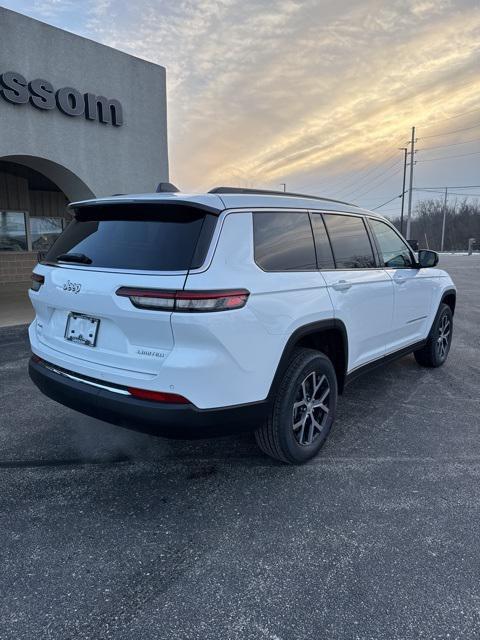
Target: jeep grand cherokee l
{"points": [[188, 315]]}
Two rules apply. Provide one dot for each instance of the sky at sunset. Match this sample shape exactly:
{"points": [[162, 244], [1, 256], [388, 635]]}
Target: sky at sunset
{"points": [[318, 95]]}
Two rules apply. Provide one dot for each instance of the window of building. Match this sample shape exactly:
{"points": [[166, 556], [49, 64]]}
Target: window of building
{"points": [[283, 241], [322, 243], [393, 249], [44, 232], [350, 242], [13, 232]]}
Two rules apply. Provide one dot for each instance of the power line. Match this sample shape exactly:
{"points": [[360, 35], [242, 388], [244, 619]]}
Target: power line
{"points": [[387, 202], [361, 174], [452, 193], [461, 155], [456, 193], [448, 133], [348, 186], [353, 191], [453, 144], [436, 189], [458, 115], [468, 186], [377, 184]]}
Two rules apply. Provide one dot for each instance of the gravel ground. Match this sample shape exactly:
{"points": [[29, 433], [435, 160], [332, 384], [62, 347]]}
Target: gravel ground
{"points": [[111, 534]]}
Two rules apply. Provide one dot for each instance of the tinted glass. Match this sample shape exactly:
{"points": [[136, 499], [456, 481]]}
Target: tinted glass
{"points": [[283, 241], [143, 238], [393, 250], [350, 243], [322, 243]]}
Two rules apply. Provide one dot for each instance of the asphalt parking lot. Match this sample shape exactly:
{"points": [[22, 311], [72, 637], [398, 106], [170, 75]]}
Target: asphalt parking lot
{"points": [[111, 534]]}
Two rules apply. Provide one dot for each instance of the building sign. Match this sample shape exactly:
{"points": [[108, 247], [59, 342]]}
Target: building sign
{"points": [[14, 88]]}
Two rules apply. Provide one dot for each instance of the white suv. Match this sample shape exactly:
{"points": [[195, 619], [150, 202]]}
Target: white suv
{"points": [[190, 315]]}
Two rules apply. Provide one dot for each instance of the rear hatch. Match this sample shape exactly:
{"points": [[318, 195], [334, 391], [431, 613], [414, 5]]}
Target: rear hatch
{"points": [[106, 247]]}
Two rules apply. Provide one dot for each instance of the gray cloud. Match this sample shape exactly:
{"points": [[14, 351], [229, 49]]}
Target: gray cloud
{"points": [[263, 92]]}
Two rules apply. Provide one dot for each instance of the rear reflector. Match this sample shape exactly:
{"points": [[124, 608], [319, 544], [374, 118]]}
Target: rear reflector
{"points": [[37, 281], [157, 396], [185, 301]]}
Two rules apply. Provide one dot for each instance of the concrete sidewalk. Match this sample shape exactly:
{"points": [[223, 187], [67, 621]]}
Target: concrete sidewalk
{"points": [[15, 306]]}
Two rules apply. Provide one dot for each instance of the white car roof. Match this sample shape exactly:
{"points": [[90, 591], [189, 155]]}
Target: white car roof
{"points": [[218, 202]]}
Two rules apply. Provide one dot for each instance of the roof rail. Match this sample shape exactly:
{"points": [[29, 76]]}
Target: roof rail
{"points": [[266, 192]]}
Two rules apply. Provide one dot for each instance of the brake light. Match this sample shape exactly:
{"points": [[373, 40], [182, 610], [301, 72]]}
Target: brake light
{"points": [[157, 396], [37, 281], [185, 301]]}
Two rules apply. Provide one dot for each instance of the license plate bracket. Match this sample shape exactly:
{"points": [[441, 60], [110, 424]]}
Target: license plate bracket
{"points": [[82, 329]]}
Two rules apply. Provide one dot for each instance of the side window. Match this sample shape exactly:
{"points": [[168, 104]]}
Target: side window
{"points": [[393, 250], [322, 243], [350, 242], [283, 241]]}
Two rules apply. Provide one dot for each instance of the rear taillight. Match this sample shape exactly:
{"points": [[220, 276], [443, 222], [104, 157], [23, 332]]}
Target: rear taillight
{"points": [[185, 301], [37, 281], [157, 396]]}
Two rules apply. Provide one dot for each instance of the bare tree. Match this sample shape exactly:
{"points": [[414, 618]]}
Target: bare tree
{"points": [[462, 223]]}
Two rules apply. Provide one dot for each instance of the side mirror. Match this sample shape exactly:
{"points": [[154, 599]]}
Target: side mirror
{"points": [[427, 258]]}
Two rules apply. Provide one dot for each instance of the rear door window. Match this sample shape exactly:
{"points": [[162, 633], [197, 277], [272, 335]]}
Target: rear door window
{"points": [[283, 241], [143, 237], [350, 242]]}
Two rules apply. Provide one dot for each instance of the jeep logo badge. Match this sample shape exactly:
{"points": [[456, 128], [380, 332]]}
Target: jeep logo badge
{"points": [[73, 287]]}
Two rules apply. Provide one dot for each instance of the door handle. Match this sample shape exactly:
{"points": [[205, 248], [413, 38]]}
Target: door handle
{"points": [[342, 285], [399, 280]]}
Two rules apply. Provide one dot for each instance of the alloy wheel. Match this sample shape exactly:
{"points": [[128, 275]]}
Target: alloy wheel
{"points": [[311, 408], [443, 339]]}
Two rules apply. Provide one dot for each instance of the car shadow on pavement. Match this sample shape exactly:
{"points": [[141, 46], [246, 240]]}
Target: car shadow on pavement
{"points": [[74, 439]]}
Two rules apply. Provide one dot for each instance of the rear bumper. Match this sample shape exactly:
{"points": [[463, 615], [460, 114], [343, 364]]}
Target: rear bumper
{"points": [[168, 420]]}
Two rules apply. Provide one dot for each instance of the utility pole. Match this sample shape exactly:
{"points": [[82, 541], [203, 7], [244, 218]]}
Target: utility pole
{"points": [[444, 218], [405, 151], [410, 192]]}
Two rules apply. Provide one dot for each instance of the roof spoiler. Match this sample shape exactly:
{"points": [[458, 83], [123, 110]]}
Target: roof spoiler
{"points": [[88, 207]]}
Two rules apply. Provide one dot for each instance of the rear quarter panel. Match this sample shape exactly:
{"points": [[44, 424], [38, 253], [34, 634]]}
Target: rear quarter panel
{"points": [[231, 357]]}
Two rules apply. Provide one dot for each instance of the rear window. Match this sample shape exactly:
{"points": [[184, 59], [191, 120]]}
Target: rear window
{"points": [[137, 236]]}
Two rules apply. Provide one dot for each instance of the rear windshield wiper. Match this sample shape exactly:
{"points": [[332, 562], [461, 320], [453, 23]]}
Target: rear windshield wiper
{"points": [[74, 257]]}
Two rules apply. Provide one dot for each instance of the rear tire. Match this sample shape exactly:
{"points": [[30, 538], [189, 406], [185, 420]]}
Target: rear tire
{"points": [[436, 349], [303, 409]]}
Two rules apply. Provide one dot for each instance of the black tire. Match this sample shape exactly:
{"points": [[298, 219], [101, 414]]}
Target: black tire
{"points": [[435, 351], [308, 371]]}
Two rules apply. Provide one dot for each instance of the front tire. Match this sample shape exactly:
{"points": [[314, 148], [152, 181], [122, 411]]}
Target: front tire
{"points": [[303, 409], [436, 349]]}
